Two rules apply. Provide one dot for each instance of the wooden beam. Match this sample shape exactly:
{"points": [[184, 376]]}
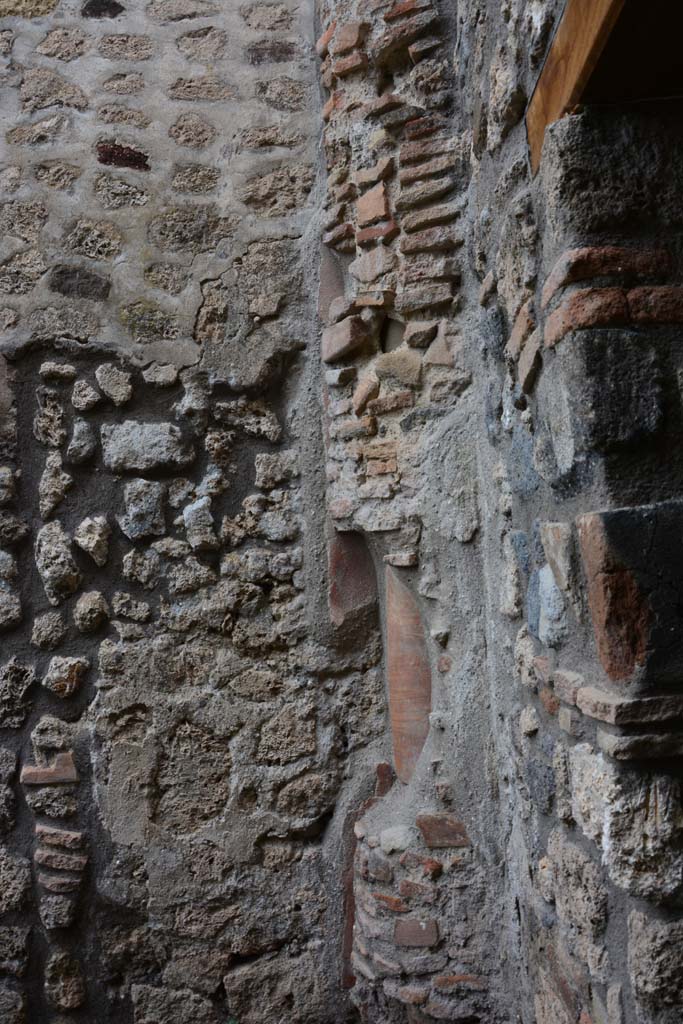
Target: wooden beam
{"points": [[579, 41]]}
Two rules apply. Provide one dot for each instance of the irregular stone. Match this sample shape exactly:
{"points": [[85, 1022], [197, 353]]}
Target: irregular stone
{"points": [[125, 84], [195, 178], [288, 736], [125, 47], [39, 132], [203, 44], [167, 276], [655, 960], [16, 680], [160, 376], [91, 612], [144, 517], [83, 443], [279, 192], [115, 383], [102, 9], [15, 881], [42, 87], [137, 447], [115, 193], [65, 675], [193, 777], [150, 1004], [199, 527], [403, 364], [64, 985], [100, 240], [64, 44], [55, 563], [49, 631], [14, 950], [552, 623], [7, 485], [113, 154], [193, 131], [57, 174], [581, 902], [286, 94], [84, 396], [19, 273], [54, 485]]}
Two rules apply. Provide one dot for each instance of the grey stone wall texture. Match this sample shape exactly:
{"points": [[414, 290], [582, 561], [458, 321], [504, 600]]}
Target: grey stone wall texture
{"points": [[341, 522]]}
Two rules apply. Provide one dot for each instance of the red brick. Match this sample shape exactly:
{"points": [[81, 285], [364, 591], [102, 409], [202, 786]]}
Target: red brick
{"points": [[430, 216], [567, 685], [391, 403], [620, 612], [430, 169], [412, 995], [458, 982], [61, 770], [442, 831], [344, 338], [392, 903], [349, 65], [603, 261], [366, 426], [422, 126], [352, 586], [524, 324], [349, 36], [414, 152], [335, 102], [418, 50], [441, 239], [58, 837], [366, 389], [380, 171], [324, 40], [417, 890], [530, 362], [379, 233], [384, 778], [408, 675], [373, 205], [429, 867], [380, 467], [340, 235], [58, 883], [549, 700], [656, 305], [406, 7], [378, 299], [416, 932], [60, 861], [589, 307], [384, 104], [402, 35]]}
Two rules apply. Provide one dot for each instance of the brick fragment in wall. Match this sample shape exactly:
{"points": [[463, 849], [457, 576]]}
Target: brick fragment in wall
{"points": [[408, 675], [608, 261]]}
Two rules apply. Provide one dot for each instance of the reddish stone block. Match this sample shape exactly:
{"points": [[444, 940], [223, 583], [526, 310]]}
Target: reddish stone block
{"points": [[349, 65], [352, 580], [549, 701], [384, 778], [384, 104], [428, 866], [406, 7], [440, 239], [442, 831], [417, 890], [412, 995], [58, 837], [423, 126], [567, 685], [458, 982], [430, 216], [347, 430], [589, 307], [340, 236], [373, 205], [391, 403], [380, 467], [603, 261], [416, 932], [322, 45], [335, 102], [60, 861], [380, 171], [379, 233], [408, 675], [656, 305], [392, 903], [61, 770], [349, 36], [620, 612], [524, 324], [344, 338], [414, 152], [58, 883], [429, 169], [402, 35]]}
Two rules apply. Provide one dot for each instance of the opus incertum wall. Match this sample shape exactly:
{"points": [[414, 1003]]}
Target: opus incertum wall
{"points": [[340, 522]]}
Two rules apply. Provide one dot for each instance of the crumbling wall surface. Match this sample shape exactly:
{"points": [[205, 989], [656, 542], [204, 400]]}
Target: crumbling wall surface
{"points": [[503, 408], [177, 728]]}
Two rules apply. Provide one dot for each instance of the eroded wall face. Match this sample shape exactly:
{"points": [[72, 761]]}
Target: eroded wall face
{"points": [[176, 727], [340, 523]]}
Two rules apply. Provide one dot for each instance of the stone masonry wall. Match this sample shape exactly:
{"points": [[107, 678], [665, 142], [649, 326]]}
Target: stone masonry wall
{"points": [[340, 522]]}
